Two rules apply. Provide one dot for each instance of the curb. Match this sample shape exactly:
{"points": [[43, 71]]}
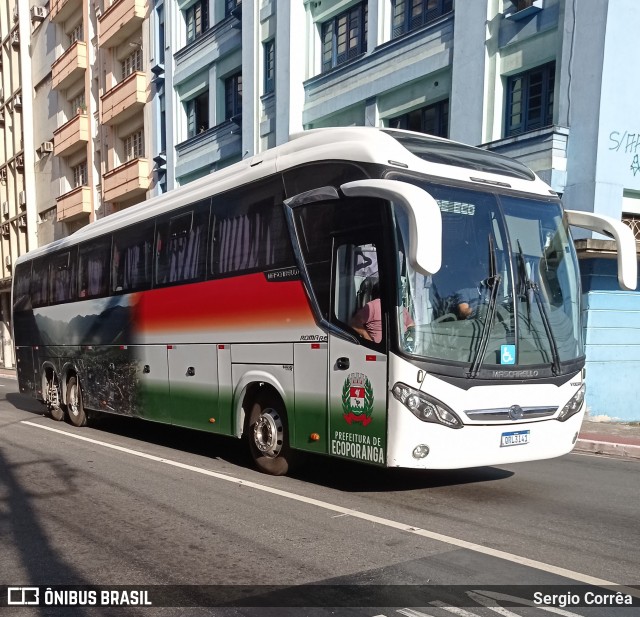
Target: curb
{"points": [[608, 448]]}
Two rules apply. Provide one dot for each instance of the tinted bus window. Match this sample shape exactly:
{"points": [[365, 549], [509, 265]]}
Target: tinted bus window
{"points": [[40, 281], [181, 247], [93, 268], [249, 233], [132, 261], [63, 277], [21, 287]]}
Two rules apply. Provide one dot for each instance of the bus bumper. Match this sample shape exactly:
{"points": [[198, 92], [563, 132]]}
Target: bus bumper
{"points": [[477, 445]]}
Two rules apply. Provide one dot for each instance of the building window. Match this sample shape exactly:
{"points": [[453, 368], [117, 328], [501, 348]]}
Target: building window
{"points": [[408, 15], [75, 35], [530, 100], [344, 37], [161, 35], [433, 119], [132, 63], [134, 146], [233, 96], [163, 122], [197, 18], [198, 114], [269, 66], [78, 104], [80, 175], [230, 6]]}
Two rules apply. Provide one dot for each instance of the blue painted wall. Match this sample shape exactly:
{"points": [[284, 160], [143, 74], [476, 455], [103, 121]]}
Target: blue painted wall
{"points": [[611, 321]]}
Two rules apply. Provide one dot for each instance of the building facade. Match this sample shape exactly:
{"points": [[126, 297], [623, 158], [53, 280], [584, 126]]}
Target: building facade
{"points": [[133, 98]]}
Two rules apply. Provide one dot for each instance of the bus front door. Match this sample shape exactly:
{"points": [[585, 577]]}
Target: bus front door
{"points": [[357, 361]]}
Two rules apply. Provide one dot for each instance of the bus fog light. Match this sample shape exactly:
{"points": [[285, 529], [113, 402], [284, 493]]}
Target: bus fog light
{"points": [[420, 451]]}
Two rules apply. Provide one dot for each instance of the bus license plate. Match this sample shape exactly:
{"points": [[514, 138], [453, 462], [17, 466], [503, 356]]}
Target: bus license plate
{"points": [[514, 438]]}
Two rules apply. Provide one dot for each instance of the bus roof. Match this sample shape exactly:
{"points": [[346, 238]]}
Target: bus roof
{"points": [[401, 149]]}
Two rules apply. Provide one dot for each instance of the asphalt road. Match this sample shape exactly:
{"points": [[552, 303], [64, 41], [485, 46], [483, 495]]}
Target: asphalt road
{"points": [[128, 503]]}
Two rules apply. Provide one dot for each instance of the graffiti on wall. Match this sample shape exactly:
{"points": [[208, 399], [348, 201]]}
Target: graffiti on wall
{"points": [[629, 144]]}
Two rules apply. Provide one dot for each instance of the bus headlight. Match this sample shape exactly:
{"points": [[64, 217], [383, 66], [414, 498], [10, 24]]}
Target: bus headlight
{"points": [[573, 406], [425, 407]]}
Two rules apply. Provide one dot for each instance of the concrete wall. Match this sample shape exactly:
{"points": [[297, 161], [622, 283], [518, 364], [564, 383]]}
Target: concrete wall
{"points": [[611, 320]]}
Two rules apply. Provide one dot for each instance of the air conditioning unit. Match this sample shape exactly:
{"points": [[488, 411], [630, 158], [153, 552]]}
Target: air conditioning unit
{"points": [[7, 261], [19, 162], [17, 101], [15, 38], [46, 146], [6, 230], [2, 116], [38, 13], [22, 199], [5, 209], [22, 221], [3, 174]]}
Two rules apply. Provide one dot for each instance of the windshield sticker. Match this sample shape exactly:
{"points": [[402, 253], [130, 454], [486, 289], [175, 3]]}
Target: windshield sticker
{"points": [[507, 354]]}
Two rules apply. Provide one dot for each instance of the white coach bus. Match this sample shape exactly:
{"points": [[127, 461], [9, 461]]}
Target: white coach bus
{"points": [[377, 295]]}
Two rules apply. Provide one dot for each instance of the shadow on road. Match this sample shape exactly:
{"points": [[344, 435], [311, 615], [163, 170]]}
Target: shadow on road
{"points": [[25, 538], [324, 471]]}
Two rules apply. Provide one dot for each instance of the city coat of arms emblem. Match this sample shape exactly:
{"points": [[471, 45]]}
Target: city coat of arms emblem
{"points": [[357, 399]]}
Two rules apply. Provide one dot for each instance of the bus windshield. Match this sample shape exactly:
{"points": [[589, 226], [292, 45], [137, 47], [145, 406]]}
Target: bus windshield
{"points": [[508, 290]]}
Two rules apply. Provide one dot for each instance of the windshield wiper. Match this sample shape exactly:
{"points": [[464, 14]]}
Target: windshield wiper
{"points": [[532, 288], [493, 282]]}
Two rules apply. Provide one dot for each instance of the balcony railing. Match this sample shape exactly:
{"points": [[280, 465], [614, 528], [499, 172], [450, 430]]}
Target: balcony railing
{"points": [[70, 66], [72, 136], [75, 204], [127, 181], [125, 99], [120, 21], [634, 223]]}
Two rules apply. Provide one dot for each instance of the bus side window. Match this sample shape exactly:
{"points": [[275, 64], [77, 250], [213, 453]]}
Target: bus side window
{"points": [[251, 236], [40, 282], [93, 268], [63, 277], [181, 248], [21, 289], [131, 261]]}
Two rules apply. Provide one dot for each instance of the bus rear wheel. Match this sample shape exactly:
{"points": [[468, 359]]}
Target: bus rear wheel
{"points": [[268, 437], [75, 408]]}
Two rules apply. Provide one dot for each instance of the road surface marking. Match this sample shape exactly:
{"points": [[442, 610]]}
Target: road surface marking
{"points": [[432, 535]]}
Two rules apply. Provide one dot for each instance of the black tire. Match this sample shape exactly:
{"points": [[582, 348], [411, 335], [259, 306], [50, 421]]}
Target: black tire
{"points": [[268, 436], [56, 413], [75, 409]]}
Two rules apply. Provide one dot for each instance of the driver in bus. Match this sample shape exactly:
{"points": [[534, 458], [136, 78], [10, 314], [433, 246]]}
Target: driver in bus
{"points": [[367, 322]]}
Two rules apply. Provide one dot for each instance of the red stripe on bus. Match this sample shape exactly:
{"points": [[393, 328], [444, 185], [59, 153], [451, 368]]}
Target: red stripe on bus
{"points": [[247, 301], [370, 358]]}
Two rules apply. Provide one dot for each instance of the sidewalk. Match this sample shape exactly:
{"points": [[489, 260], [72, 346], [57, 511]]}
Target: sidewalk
{"points": [[608, 438]]}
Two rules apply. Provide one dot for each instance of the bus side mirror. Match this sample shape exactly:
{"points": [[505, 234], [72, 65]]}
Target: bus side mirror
{"points": [[423, 214], [625, 240]]}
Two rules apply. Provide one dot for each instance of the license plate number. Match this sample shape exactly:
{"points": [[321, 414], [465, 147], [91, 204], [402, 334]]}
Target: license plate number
{"points": [[514, 438]]}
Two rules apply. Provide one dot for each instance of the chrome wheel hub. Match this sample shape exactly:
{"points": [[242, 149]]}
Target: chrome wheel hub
{"points": [[268, 433]]}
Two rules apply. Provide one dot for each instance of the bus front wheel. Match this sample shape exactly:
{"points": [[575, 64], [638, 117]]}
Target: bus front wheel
{"points": [[75, 408], [268, 436]]}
